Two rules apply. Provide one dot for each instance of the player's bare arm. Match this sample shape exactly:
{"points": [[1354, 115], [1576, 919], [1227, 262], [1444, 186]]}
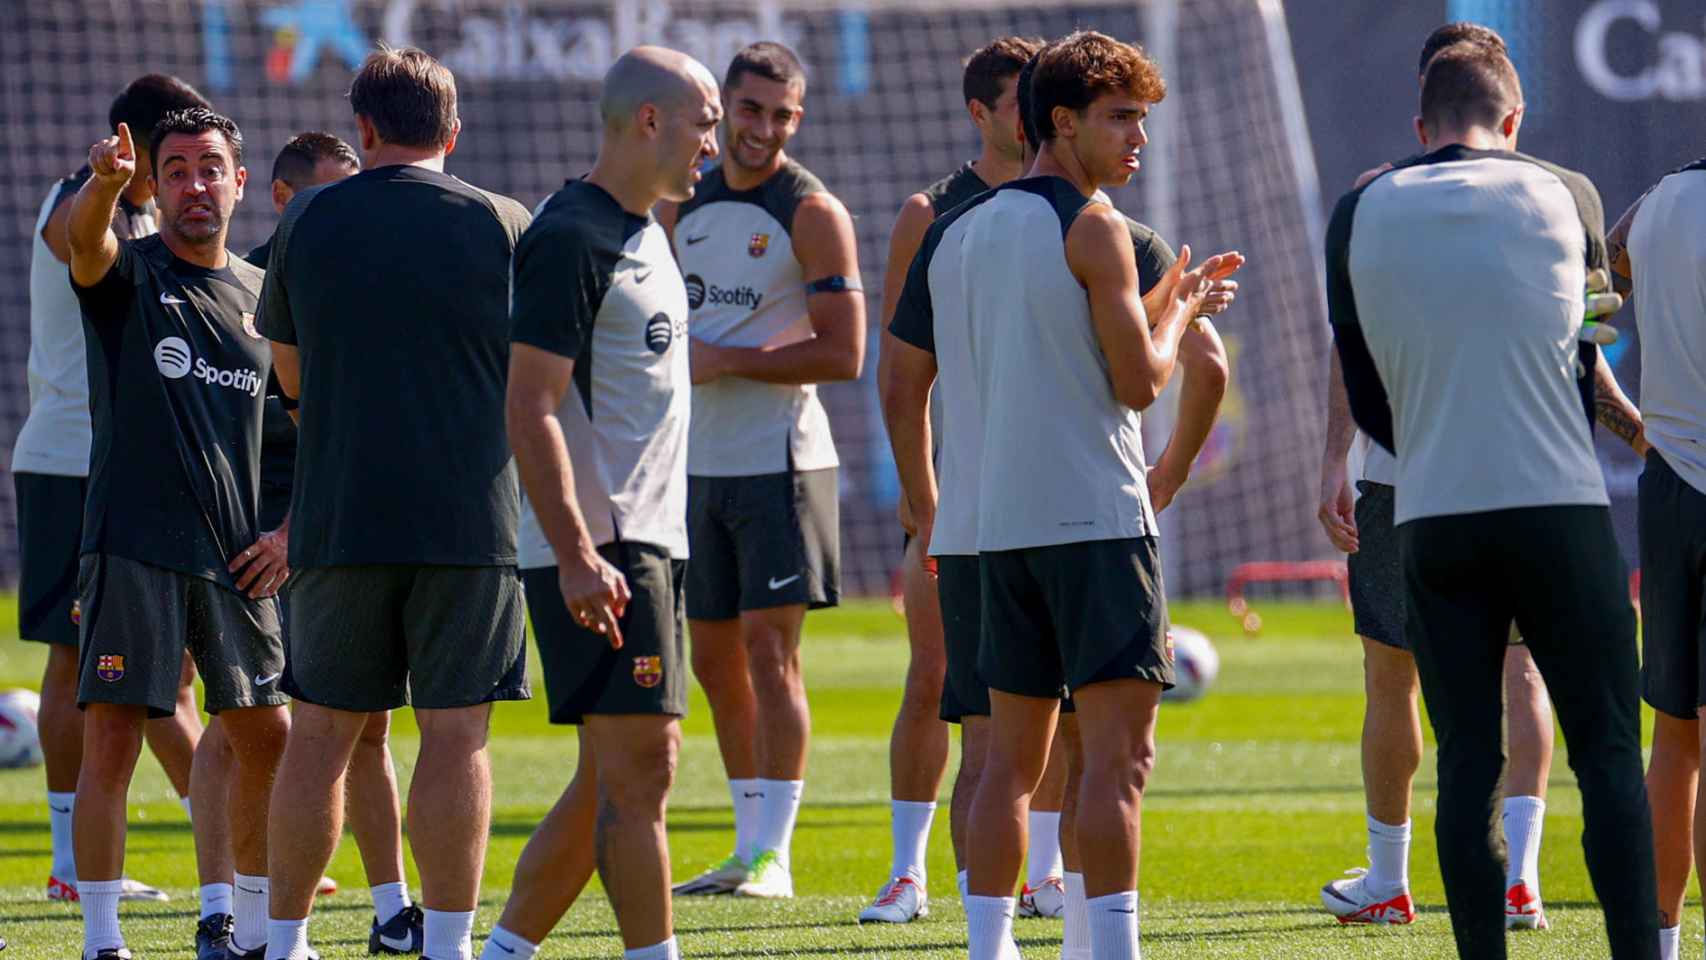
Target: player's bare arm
{"points": [[906, 411], [1617, 250], [1140, 356], [914, 219], [596, 592], [56, 232], [89, 235], [1202, 357], [1337, 510], [825, 246], [1613, 409]]}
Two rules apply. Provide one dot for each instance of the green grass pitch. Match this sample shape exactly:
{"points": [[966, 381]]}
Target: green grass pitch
{"points": [[1256, 802]]}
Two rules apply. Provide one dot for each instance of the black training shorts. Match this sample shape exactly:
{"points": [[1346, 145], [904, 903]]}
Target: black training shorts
{"points": [[137, 621], [583, 675], [377, 637], [1062, 617], [1673, 580], [50, 535], [771, 540]]}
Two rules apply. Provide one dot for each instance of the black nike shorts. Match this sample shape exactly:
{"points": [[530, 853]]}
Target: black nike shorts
{"points": [[1061, 617], [1672, 521], [771, 540], [137, 621], [960, 589], [381, 636], [583, 675], [50, 536], [1377, 581]]}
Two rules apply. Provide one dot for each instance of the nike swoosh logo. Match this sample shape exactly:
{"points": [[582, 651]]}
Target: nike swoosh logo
{"points": [[776, 584], [58, 809], [247, 890], [748, 796], [168, 299], [388, 943], [642, 277], [1120, 910], [407, 943], [692, 240], [263, 681]]}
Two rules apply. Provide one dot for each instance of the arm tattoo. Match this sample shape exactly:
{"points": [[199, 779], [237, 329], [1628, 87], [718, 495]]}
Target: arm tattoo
{"points": [[1611, 415]]}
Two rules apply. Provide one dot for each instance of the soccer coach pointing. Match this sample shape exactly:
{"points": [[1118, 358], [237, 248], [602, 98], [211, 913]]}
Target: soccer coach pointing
{"points": [[387, 300]]}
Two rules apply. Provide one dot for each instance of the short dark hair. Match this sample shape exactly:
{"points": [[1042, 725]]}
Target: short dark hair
{"points": [[1027, 110], [1460, 31], [409, 97], [768, 59], [988, 66], [296, 162], [142, 103], [1468, 84], [1080, 67], [191, 122]]}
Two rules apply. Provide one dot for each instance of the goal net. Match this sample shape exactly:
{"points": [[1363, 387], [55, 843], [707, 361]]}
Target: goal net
{"points": [[1229, 166]]}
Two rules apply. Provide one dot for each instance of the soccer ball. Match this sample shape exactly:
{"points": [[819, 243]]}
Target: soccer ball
{"points": [[20, 744], [1195, 664]]}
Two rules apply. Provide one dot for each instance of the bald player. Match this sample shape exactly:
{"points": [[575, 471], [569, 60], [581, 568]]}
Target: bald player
{"points": [[602, 451]]}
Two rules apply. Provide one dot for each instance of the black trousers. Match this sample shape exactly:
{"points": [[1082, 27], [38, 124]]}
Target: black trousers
{"points": [[1557, 572]]}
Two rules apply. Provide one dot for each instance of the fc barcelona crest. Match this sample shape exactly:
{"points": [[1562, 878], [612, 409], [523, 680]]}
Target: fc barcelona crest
{"points": [[648, 671], [758, 245], [109, 667], [1169, 646]]}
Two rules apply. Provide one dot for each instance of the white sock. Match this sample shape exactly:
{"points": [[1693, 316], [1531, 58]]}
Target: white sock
{"points": [[748, 797], [1524, 819], [249, 897], [185, 803], [1113, 926], [59, 806], [449, 935], [504, 945], [666, 950], [1043, 858], [287, 939], [100, 915], [989, 927], [909, 821], [964, 890], [1670, 942], [776, 827], [1388, 856], [216, 899], [390, 899], [1075, 938]]}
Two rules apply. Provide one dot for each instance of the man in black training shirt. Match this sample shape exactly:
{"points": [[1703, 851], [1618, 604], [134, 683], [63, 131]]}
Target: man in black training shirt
{"points": [[176, 372], [387, 301], [598, 411]]}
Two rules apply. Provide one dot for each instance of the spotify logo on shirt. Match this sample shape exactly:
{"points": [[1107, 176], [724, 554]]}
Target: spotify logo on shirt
{"points": [[172, 356]]}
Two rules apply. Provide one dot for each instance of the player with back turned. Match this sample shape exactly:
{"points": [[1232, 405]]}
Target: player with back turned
{"points": [[50, 470], [176, 365], [598, 410], [772, 274], [403, 589], [1501, 511]]}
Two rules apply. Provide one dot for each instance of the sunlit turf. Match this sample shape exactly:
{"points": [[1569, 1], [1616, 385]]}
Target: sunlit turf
{"points": [[1255, 803]]}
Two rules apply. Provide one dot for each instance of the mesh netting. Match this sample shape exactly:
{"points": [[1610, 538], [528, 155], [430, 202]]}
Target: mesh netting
{"points": [[884, 118]]}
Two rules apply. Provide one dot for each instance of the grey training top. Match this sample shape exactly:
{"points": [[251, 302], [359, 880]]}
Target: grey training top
{"points": [[1456, 286], [1667, 247]]}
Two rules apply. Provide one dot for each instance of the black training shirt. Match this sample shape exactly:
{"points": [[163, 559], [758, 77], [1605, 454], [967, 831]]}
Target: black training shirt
{"points": [[394, 286], [176, 374]]}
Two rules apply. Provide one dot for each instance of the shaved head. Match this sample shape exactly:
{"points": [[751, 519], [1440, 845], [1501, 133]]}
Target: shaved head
{"points": [[667, 79]]}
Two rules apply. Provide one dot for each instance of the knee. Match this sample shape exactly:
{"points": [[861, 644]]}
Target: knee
{"points": [[375, 735], [214, 746], [638, 783], [459, 731], [715, 669], [112, 736], [771, 655], [1121, 771], [256, 732]]}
